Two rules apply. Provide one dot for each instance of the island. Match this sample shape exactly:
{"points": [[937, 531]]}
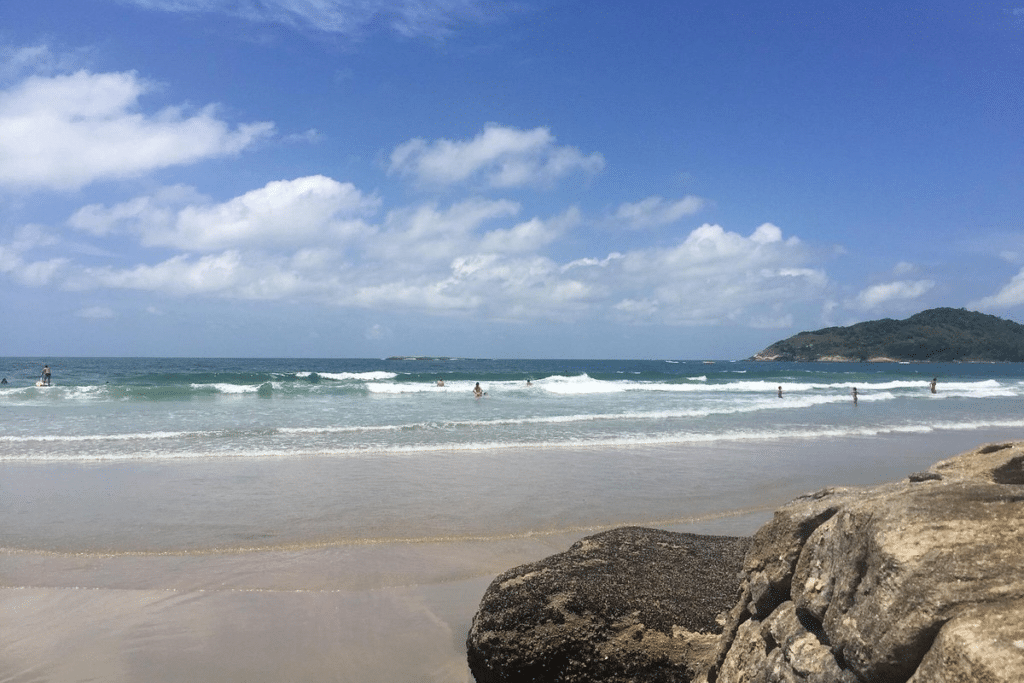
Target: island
{"points": [[935, 335]]}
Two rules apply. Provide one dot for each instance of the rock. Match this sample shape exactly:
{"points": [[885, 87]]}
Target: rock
{"points": [[917, 581], [631, 604], [901, 582]]}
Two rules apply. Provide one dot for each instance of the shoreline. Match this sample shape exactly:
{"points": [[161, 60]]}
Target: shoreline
{"points": [[382, 610]]}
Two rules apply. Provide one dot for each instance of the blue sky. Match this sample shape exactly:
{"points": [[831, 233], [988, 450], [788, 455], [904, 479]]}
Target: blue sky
{"points": [[544, 178]]}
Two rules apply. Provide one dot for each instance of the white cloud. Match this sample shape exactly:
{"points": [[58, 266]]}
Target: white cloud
{"points": [[141, 214], [443, 261], [412, 18], [902, 290], [504, 157], [1012, 294], [66, 131], [425, 236], [904, 268], [285, 212], [714, 275], [18, 62], [95, 313], [656, 211], [531, 235], [229, 274], [27, 272]]}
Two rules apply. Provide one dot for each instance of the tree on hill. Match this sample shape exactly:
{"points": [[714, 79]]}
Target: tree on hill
{"points": [[938, 334]]}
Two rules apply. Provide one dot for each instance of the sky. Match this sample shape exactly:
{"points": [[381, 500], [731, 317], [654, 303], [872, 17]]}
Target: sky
{"points": [[527, 179]]}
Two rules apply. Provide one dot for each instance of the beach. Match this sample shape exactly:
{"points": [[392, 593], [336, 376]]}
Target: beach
{"points": [[393, 607], [163, 522]]}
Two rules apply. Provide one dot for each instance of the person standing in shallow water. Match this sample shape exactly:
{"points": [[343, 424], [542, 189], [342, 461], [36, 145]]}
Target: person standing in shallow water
{"points": [[934, 380], [854, 396], [477, 391]]}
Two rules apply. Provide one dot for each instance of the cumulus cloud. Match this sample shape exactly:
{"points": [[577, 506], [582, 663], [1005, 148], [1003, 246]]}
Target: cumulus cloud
{"points": [[66, 131], [412, 18], [285, 212], [229, 274], [475, 256], [656, 211], [715, 275], [501, 156], [437, 235], [1012, 294], [531, 235], [902, 290]]}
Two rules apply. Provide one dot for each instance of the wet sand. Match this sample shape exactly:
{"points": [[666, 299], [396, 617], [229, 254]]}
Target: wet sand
{"points": [[368, 611], [371, 613]]}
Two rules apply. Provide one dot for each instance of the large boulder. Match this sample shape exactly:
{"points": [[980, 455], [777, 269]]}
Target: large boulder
{"points": [[631, 604], [915, 581]]}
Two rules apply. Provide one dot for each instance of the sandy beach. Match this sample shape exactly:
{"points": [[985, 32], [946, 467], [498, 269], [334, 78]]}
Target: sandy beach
{"points": [[371, 610]]}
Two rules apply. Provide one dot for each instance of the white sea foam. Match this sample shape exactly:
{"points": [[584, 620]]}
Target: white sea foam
{"points": [[223, 388], [76, 438], [624, 441], [344, 376]]}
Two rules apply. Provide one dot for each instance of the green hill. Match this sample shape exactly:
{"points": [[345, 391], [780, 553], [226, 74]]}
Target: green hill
{"points": [[938, 334]]}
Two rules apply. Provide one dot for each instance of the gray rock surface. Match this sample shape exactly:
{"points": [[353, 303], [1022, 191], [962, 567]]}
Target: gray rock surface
{"points": [[631, 604], [916, 581]]}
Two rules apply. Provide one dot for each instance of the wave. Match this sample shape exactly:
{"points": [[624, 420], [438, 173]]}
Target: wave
{"points": [[679, 438], [581, 385], [347, 376]]}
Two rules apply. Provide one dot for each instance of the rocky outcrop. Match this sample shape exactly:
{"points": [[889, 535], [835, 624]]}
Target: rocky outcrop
{"points": [[631, 604], [917, 581]]}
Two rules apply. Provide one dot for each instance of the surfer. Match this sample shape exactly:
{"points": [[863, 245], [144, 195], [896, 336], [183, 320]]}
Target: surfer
{"points": [[46, 375], [477, 391], [4, 381]]}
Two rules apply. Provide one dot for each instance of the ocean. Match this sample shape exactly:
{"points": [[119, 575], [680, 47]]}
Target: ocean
{"points": [[168, 519]]}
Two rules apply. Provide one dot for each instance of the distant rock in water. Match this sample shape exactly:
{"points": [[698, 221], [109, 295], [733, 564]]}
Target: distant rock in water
{"points": [[936, 335]]}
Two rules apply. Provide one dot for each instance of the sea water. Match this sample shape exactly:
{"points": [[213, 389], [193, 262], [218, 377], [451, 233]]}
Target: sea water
{"points": [[219, 509]]}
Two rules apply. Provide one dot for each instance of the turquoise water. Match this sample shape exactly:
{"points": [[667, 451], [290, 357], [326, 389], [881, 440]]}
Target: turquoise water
{"points": [[201, 409]]}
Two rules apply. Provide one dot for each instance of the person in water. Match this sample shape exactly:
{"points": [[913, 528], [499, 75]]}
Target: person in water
{"points": [[934, 380], [46, 375], [477, 391], [855, 396]]}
